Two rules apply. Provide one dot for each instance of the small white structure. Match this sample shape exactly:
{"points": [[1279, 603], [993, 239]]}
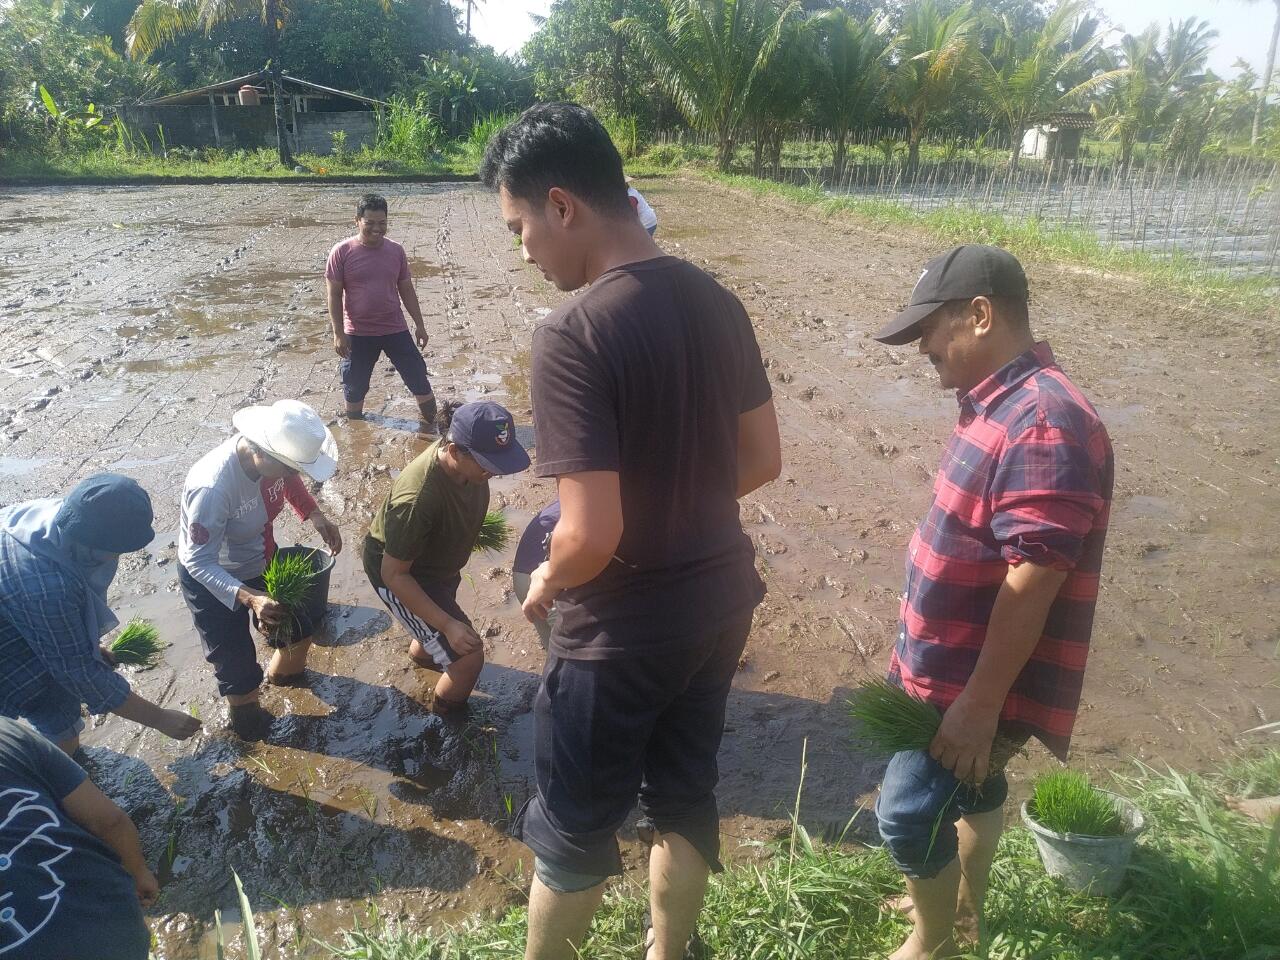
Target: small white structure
{"points": [[1056, 137]]}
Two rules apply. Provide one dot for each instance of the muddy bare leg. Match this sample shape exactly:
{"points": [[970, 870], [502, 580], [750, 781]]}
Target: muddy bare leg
{"points": [[427, 408], [677, 884], [460, 678], [559, 921], [288, 662], [1262, 809], [979, 836], [935, 916]]}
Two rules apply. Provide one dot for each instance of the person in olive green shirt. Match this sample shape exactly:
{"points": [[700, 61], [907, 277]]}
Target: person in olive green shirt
{"points": [[423, 534]]}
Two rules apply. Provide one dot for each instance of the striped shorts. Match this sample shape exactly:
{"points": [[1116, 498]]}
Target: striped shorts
{"points": [[433, 641]]}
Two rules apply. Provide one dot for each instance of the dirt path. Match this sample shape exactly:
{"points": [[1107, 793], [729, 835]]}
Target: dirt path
{"points": [[139, 319]]}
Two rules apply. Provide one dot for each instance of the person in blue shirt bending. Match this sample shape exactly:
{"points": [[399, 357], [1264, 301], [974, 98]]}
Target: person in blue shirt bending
{"points": [[57, 560]]}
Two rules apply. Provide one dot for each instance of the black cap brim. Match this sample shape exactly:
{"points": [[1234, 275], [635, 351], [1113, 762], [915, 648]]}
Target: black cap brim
{"points": [[905, 327], [500, 463]]}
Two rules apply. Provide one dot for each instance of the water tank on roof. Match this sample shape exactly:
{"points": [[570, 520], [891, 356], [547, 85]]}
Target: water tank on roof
{"points": [[248, 96]]}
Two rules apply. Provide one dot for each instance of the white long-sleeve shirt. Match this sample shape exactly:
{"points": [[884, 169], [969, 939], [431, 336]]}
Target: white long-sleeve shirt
{"points": [[645, 212], [221, 541]]}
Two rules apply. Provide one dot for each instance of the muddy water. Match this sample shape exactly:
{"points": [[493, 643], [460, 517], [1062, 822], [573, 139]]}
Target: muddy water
{"points": [[133, 333]]}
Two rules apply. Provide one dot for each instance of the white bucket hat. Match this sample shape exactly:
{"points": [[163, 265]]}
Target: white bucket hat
{"points": [[293, 433]]}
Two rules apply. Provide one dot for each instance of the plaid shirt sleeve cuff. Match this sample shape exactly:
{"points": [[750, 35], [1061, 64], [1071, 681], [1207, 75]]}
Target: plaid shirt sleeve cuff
{"points": [[104, 690]]}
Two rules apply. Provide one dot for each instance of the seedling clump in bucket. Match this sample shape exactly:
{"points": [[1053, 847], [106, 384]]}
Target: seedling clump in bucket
{"points": [[1065, 802], [289, 577]]}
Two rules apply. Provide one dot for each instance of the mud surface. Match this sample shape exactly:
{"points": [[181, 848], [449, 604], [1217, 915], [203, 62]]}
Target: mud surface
{"points": [[137, 320]]}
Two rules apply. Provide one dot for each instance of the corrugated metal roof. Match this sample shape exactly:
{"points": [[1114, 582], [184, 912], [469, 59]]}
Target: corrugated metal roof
{"points": [[259, 76]]}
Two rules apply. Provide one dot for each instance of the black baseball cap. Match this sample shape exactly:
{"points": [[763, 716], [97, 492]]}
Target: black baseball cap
{"points": [[488, 431], [968, 271]]}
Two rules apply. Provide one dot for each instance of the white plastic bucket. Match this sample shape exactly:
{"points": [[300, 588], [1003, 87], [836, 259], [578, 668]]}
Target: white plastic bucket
{"points": [[1091, 865]]}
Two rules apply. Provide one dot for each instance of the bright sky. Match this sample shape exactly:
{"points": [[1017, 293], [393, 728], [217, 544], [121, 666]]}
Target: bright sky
{"points": [[1243, 29]]}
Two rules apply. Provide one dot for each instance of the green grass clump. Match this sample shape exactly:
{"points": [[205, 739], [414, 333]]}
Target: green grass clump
{"points": [[1065, 801], [1204, 887], [495, 533], [289, 577], [138, 645], [891, 720]]}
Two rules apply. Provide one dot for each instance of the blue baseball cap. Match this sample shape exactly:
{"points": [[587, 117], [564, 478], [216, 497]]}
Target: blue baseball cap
{"points": [[107, 512], [488, 431]]}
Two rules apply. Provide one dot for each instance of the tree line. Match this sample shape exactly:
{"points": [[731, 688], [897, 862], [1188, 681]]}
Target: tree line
{"points": [[750, 70], [736, 71]]}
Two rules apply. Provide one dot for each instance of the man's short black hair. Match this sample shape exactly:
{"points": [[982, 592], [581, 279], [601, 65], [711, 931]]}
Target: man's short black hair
{"points": [[370, 201], [557, 145]]}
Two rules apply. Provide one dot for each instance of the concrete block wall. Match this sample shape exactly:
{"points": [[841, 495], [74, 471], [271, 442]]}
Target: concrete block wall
{"points": [[315, 130], [246, 128]]}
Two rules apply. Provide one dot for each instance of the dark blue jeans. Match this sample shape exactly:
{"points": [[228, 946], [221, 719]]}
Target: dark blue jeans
{"points": [[400, 350], [919, 804]]}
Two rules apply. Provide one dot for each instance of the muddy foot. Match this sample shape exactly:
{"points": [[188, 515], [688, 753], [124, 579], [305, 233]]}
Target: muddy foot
{"points": [[250, 722], [1262, 809], [298, 679]]}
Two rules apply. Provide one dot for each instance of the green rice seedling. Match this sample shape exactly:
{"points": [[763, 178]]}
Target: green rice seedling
{"points": [[1066, 802], [890, 720], [495, 533], [289, 577], [138, 645]]}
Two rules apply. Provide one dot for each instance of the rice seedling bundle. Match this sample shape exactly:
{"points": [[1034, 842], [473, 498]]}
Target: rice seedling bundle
{"points": [[1065, 802], [289, 577], [137, 645], [495, 533], [890, 720]]}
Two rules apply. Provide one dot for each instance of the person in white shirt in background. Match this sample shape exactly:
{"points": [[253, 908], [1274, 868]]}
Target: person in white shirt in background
{"points": [[648, 219]]}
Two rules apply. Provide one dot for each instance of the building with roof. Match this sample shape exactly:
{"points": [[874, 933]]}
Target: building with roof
{"points": [[1057, 136], [238, 114]]}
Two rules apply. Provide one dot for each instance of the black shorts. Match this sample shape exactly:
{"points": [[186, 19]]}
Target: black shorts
{"points": [[224, 635], [609, 730], [445, 596]]}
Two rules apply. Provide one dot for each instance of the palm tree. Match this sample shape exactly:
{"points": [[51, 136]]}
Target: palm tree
{"points": [[1267, 73], [709, 58], [930, 55], [850, 73], [155, 22], [1155, 83], [779, 94], [1034, 69]]}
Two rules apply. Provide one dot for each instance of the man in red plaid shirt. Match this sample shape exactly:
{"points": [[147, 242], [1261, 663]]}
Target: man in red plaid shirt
{"points": [[1002, 582]]}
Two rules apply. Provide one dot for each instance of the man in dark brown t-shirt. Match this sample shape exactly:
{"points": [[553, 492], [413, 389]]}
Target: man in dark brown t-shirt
{"points": [[653, 411]]}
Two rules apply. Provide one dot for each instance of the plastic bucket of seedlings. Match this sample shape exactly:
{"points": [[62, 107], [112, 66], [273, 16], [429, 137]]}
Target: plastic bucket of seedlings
{"points": [[316, 602], [1085, 862]]}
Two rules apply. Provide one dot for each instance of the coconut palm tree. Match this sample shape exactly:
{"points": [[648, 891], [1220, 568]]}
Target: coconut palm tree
{"points": [[850, 73], [1267, 73], [1155, 82], [930, 55], [709, 58], [779, 93], [1034, 68]]}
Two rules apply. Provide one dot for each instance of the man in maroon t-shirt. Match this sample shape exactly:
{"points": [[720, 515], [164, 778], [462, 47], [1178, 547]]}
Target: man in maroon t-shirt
{"points": [[368, 277], [654, 414]]}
